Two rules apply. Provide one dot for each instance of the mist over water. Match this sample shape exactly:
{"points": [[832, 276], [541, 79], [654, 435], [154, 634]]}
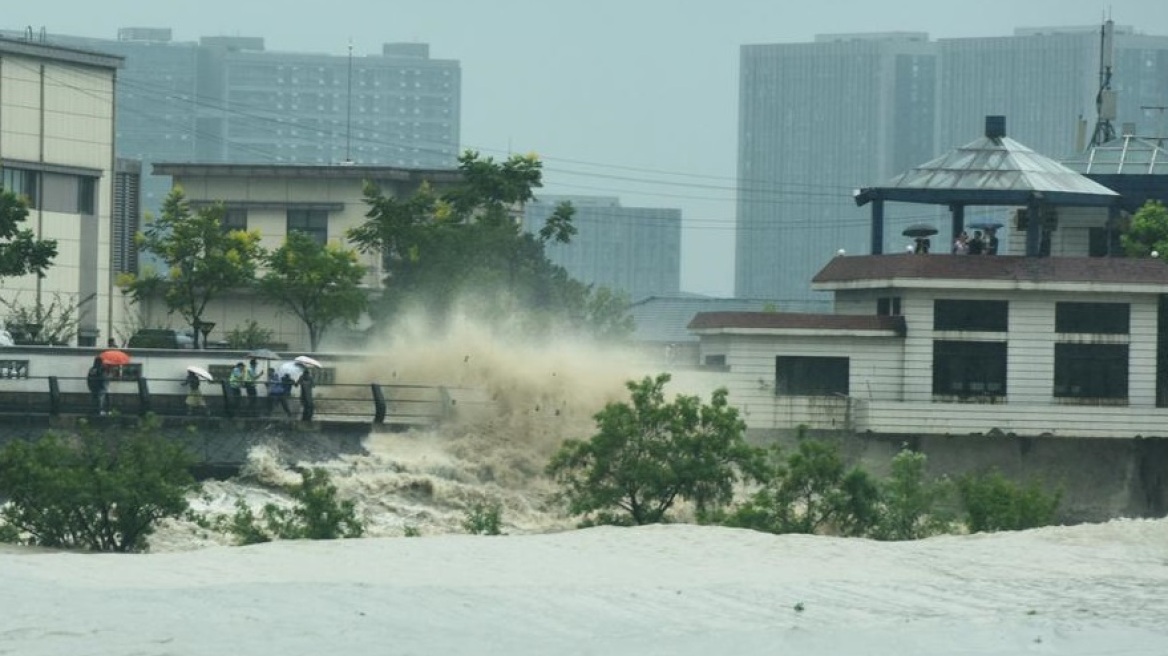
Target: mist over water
{"points": [[515, 400]]}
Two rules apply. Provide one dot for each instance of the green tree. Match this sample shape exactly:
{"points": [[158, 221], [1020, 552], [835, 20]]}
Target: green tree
{"points": [[466, 242], [649, 454], [994, 503], [319, 283], [912, 504], [203, 260], [248, 336], [21, 253], [316, 514], [100, 491], [811, 491], [1147, 231]]}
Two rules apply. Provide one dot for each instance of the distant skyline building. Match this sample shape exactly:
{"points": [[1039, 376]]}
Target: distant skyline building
{"points": [[636, 250], [226, 99], [817, 120]]}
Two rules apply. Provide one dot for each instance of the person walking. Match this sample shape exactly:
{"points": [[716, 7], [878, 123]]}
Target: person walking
{"points": [[98, 381]]}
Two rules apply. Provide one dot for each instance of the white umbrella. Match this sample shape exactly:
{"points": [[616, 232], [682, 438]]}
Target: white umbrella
{"points": [[293, 369], [200, 372], [304, 359]]}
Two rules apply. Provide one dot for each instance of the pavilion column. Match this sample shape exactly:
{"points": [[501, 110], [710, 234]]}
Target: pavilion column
{"points": [[1034, 226], [957, 225], [878, 226]]}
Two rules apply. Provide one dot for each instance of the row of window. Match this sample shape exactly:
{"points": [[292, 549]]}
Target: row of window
{"points": [[993, 316], [967, 369], [53, 192], [313, 223]]}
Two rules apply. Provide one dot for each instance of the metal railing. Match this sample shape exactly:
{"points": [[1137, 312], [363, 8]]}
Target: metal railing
{"points": [[369, 402]]}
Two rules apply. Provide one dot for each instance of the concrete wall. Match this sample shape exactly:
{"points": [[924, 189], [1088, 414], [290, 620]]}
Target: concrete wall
{"points": [[1100, 478]]}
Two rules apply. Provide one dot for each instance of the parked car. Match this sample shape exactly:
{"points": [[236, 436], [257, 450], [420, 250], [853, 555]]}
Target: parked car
{"points": [[162, 338]]}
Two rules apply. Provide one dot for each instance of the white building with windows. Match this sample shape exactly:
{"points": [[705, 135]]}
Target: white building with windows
{"points": [[57, 151], [323, 201]]}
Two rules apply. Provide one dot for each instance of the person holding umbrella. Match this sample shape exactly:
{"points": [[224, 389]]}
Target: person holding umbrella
{"points": [[194, 398], [98, 382]]}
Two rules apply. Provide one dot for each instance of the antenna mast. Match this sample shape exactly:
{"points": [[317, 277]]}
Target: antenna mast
{"points": [[1105, 100], [349, 108]]}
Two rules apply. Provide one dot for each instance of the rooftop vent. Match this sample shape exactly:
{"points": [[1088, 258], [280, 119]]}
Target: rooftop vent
{"points": [[995, 127]]}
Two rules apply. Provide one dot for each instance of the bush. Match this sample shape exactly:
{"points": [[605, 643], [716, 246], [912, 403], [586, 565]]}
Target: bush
{"points": [[911, 505], [811, 491], [483, 518], [994, 503], [98, 491], [316, 514], [649, 454], [249, 336]]}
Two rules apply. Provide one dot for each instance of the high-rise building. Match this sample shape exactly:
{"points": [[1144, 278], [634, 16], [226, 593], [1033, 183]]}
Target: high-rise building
{"points": [[229, 100], [1046, 82], [820, 119], [635, 250], [817, 120]]}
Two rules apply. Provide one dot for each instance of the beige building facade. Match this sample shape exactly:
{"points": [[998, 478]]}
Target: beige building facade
{"points": [[57, 115], [273, 200]]}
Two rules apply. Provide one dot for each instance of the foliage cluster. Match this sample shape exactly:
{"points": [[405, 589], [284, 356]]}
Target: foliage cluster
{"points": [[250, 335], [484, 518], [21, 253], [439, 249], [1147, 231], [649, 454], [467, 241], [99, 491], [316, 514]]}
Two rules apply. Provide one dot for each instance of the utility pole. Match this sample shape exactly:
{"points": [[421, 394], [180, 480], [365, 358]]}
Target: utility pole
{"points": [[1105, 100]]}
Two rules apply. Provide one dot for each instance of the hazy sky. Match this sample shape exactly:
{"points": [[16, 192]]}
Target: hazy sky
{"points": [[632, 98]]}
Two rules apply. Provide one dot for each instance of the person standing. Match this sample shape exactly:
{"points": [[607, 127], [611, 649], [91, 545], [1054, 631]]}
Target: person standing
{"points": [[235, 384], [251, 376], [195, 400], [279, 387], [306, 383], [98, 381]]}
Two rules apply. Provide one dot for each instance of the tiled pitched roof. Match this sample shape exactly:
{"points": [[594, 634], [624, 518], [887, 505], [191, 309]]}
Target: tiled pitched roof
{"points": [[794, 321], [1004, 268]]}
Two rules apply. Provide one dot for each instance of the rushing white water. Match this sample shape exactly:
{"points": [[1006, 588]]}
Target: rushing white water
{"points": [[520, 400]]}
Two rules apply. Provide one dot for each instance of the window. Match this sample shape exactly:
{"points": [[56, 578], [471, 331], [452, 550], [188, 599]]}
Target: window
{"points": [[234, 219], [888, 307], [1103, 242], [1098, 318], [811, 376], [22, 183], [86, 195], [1097, 371], [969, 368], [981, 316], [313, 223]]}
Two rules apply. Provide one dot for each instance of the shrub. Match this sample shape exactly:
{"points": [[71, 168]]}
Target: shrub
{"points": [[484, 518], [811, 491], [316, 514], [994, 503], [100, 491], [911, 504], [649, 454], [249, 336]]}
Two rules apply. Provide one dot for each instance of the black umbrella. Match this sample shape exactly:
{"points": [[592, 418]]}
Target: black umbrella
{"points": [[919, 230], [985, 225]]}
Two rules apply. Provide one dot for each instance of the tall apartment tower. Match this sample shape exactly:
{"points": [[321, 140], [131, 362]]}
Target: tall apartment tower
{"points": [[817, 120], [1045, 81], [229, 100], [636, 250]]}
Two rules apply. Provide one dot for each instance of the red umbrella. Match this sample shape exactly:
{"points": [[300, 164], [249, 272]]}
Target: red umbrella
{"points": [[114, 358]]}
